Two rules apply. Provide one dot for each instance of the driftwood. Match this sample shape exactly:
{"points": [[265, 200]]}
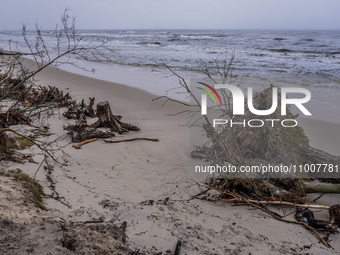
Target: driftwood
{"points": [[32, 95], [81, 131], [13, 117], [16, 53], [178, 247], [78, 111], [133, 139], [77, 146], [289, 204], [108, 120], [49, 94], [319, 187], [237, 197], [7, 81]]}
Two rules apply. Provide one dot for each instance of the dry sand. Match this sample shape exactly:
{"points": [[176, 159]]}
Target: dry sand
{"points": [[141, 182]]}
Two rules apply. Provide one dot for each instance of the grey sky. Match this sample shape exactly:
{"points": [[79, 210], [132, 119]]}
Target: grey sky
{"points": [[138, 14]]}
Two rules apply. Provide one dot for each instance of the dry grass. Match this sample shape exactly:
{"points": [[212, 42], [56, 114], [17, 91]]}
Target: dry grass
{"points": [[22, 143], [35, 190]]}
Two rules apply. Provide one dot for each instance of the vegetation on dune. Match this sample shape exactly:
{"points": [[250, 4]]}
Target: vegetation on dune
{"points": [[34, 189]]}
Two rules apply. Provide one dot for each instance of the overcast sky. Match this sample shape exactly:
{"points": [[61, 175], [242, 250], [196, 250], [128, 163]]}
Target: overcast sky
{"points": [[176, 14]]}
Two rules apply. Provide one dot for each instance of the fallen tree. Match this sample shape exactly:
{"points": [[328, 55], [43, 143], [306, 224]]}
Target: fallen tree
{"points": [[242, 145]]}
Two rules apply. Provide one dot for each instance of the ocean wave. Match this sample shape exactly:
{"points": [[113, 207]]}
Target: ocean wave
{"points": [[282, 50], [257, 52], [198, 37], [308, 40], [306, 51]]}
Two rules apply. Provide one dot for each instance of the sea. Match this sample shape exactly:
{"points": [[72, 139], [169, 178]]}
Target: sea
{"points": [[135, 57], [257, 52]]}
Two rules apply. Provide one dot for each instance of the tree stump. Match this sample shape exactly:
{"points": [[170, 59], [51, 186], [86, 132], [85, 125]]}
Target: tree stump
{"points": [[107, 119]]}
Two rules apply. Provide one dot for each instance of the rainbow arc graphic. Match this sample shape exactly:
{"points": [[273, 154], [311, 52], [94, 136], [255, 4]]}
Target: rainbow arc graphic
{"points": [[204, 97], [209, 93]]}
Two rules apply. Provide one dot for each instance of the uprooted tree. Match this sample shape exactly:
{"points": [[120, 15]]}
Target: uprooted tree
{"points": [[242, 145]]}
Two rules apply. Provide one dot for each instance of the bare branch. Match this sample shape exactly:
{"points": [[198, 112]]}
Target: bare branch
{"points": [[170, 99]]}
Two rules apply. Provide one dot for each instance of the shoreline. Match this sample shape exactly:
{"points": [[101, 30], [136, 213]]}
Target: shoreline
{"points": [[322, 133], [158, 81]]}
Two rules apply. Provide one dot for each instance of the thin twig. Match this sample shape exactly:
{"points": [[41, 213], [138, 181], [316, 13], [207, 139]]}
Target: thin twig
{"points": [[133, 139], [170, 99]]}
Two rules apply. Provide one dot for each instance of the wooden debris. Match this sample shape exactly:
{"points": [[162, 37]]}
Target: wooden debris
{"points": [[290, 204], [77, 146], [334, 213], [319, 187], [237, 197], [81, 131], [91, 221], [82, 110], [90, 111], [108, 120], [7, 81], [50, 94], [178, 247], [33, 95], [133, 139], [13, 117]]}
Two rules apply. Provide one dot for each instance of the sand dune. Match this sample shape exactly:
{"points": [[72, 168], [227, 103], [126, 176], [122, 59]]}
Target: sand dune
{"points": [[141, 182]]}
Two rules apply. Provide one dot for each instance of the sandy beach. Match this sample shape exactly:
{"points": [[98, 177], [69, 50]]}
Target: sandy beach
{"points": [[170, 128], [146, 184]]}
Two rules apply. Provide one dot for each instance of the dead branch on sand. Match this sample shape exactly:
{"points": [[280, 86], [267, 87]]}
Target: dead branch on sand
{"points": [[234, 197], [133, 139], [77, 146]]}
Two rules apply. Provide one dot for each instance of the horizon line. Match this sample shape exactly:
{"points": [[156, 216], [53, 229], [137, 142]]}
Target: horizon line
{"points": [[253, 29]]}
